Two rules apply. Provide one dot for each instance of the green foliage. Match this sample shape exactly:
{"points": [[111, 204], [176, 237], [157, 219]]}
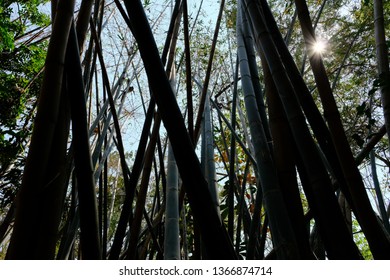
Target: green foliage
{"points": [[361, 241], [22, 56], [231, 14]]}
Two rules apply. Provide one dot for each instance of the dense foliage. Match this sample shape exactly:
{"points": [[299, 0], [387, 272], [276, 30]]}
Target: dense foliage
{"points": [[23, 43]]}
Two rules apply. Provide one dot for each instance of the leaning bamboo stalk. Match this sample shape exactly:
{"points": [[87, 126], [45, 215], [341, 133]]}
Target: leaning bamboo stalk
{"points": [[90, 239], [27, 214], [317, 18], [190, 107], [375, 138], [310, 109], [234, 133], [213, 233], [130, 193], [232, 177], [375, 180], [284, 156], [126, 213], [106, 83], [382, 60], [208, 74], [83, 21], [330, 219], [378, 240], [282, 233], [254, 75], [141, 198], [160, 175], [172, 30]]}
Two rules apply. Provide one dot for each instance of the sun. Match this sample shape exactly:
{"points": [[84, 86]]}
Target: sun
{"points": [[319, 47]]}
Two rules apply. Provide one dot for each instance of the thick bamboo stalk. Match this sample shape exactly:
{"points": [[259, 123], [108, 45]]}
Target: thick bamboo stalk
{"points": [[83, 21], [378, 240], [284, 156], [126, 213], [90, 239], [254, 75], [38, 160], [172, 215], [317, 18], [213, 233], [172, 240], [382, 60], [325, 204], [282, 234], [306, 100]]}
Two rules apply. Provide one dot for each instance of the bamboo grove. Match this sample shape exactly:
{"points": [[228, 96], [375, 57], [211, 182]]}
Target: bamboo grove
{"points": [[226, 143]]}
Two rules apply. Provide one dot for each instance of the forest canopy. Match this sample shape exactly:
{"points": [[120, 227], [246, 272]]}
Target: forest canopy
{"points": [[237, 129]]}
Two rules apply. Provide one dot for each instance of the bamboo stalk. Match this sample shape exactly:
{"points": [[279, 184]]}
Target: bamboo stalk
{"points": [[45, 125], [90, 239], [379, 242], [284, 156], [205, 86], [210, 174], [190, 107], [172, 240], [213, 232], [330, 219], [282, 234], [141, 198], [130, 193], [232, 176], [382, 60]]}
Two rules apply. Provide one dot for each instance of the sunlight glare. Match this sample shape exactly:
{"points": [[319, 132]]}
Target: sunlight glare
{"points": [[319, 47]]}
